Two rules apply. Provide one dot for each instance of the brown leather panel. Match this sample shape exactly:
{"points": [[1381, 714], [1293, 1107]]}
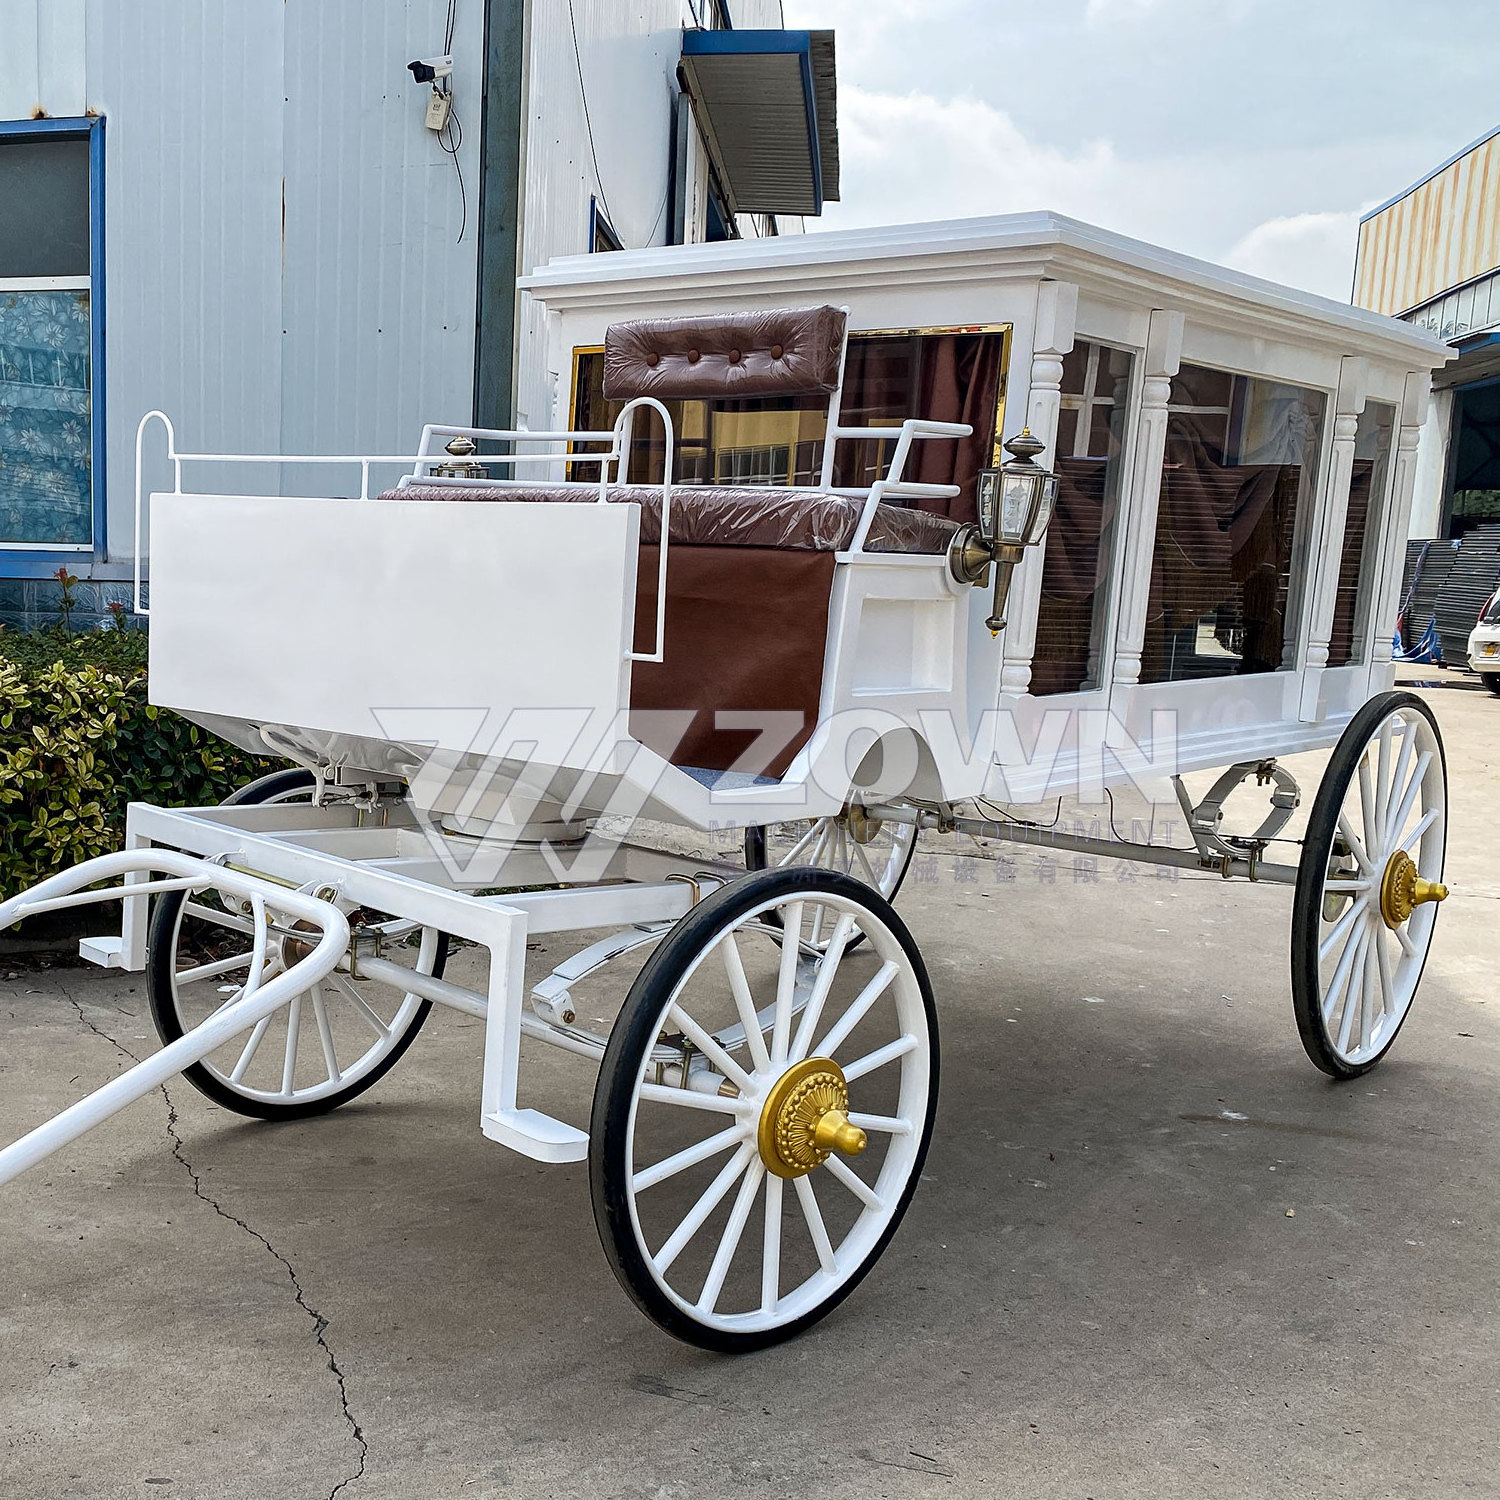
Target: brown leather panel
{"points": [[746, 631], [775, 353], [726, 516]]}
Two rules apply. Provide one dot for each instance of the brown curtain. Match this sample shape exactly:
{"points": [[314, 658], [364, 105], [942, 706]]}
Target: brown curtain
{"points": [[960, 382]]}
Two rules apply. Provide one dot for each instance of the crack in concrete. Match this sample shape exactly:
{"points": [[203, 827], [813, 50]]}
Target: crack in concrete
{"points": [[319, 1322]]}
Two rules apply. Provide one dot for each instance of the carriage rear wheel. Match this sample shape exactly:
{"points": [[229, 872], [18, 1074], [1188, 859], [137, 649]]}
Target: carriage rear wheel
{"points": [[1492, 681], [1369, 883], [853, 843], [321, 1049], [763, 1109]]}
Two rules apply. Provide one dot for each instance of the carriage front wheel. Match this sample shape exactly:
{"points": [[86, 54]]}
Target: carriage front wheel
{"points": [[764, 1108], [1369, 883], [324, 1047]]}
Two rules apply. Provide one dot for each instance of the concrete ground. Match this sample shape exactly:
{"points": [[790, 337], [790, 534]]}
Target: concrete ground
{"points": [[1155, 1253]]}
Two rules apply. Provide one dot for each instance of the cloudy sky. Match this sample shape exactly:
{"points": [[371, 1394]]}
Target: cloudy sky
{"points": [[1250, 132]]}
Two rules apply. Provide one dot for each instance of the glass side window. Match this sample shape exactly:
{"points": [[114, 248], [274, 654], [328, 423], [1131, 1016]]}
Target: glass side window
{"points": [[1073, 616], [1239, 481], [1359, 559], [46, 491], [949, 376]]}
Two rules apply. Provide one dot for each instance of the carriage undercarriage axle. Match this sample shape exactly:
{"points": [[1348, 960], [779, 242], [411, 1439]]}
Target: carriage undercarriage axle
{"points": [[1248, 865]]}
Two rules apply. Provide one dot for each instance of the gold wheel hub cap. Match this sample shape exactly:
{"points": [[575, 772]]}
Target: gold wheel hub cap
{"points": [[1402, 890], [805, 1119]]}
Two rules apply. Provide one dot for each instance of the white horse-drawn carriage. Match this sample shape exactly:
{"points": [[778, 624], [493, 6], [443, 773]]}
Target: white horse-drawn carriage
{"points": [[774, 573]]}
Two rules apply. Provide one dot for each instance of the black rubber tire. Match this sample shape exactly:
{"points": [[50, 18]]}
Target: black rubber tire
{"points": [[1317, 850], [161, 945], [756, 859], [1492, 681], [634, 1032]]}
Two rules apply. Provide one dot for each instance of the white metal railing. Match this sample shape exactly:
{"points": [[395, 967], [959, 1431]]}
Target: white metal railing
{"points": [[421, 464]]}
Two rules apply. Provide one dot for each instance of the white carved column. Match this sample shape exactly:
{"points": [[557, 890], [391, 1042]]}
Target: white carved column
{"points": [[1056, 317], [1326, 550], [1143, 493], [1413, 414]]}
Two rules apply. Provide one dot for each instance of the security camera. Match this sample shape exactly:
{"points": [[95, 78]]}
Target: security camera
{"points": [[429, 69]]}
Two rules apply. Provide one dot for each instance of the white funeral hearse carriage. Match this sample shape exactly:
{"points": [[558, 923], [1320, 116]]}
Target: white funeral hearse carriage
{"points": [[833, 534]]}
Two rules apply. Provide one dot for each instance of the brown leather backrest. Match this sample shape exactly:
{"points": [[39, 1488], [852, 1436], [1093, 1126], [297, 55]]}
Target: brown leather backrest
{"points": [[782, 352]]}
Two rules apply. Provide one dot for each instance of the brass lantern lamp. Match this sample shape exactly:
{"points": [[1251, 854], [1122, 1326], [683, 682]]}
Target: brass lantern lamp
{"points": [[1014, 503]]}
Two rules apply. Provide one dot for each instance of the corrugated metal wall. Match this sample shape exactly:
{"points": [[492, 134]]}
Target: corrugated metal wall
{"points": [[282, 262], [378, 292], [192, 100], [1440, 234], [41, 58]]}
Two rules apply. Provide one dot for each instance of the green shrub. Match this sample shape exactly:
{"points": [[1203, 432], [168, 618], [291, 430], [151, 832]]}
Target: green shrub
{"points": [[78, 741]]}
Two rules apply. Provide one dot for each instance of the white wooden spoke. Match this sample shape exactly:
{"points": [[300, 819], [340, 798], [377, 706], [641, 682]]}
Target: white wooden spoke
{"points": [[1398, 778], [842, 1172], [1421, 826], [1370, 813], [729, 1241], [786, 982], [1341, 973], [713, 1195], [1403, 937], [219, 966], [1368, 979], [869, 869], [744, 1002], [325, 1034], [815, 926], [247, 1056], [828, 967], [1408, 796], [1346, 1025], [814, 830], [710, 1048], [880, 1057], [232, 920], [1356, 845], [859, 1008], [689, 1157], [346, 985], [820, 848], [815, 1225], [1340, 929], [1387, 977], [1383, 771], [770, 1255], [883, 1124], [293, 1036], [659, 1093]]}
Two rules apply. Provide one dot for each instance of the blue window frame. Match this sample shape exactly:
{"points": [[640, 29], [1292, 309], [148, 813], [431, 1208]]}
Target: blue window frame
{"points": [[52, 419]]}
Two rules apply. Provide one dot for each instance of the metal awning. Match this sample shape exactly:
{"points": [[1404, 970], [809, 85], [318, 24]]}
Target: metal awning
{"points": [[767, 105]]}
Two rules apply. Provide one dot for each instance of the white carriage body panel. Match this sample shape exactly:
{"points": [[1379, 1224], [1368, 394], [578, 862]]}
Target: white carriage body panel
{"points": [[462, 614], [1055, 282]]}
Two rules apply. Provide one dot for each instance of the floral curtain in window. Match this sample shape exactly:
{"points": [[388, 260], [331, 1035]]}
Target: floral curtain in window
{"points": [[45, 483]]}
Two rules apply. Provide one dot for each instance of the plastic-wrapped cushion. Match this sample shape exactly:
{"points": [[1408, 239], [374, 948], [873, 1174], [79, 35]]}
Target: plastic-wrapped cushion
{"points": [[724, 516], [782, 351]]}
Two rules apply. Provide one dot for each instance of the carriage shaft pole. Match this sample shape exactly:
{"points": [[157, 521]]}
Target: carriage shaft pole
{"points": [[231, 1021]]}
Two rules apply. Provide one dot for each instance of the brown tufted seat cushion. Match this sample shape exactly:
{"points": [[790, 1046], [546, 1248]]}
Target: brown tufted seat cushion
{"points": [[781, 352], [725, 516]]}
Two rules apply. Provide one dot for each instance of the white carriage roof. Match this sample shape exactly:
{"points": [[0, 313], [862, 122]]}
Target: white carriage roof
{"points": [[1015, 245]]}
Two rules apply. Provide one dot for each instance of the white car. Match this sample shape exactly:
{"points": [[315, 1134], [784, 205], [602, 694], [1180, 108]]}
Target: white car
{"points": [[1484, 644]]}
